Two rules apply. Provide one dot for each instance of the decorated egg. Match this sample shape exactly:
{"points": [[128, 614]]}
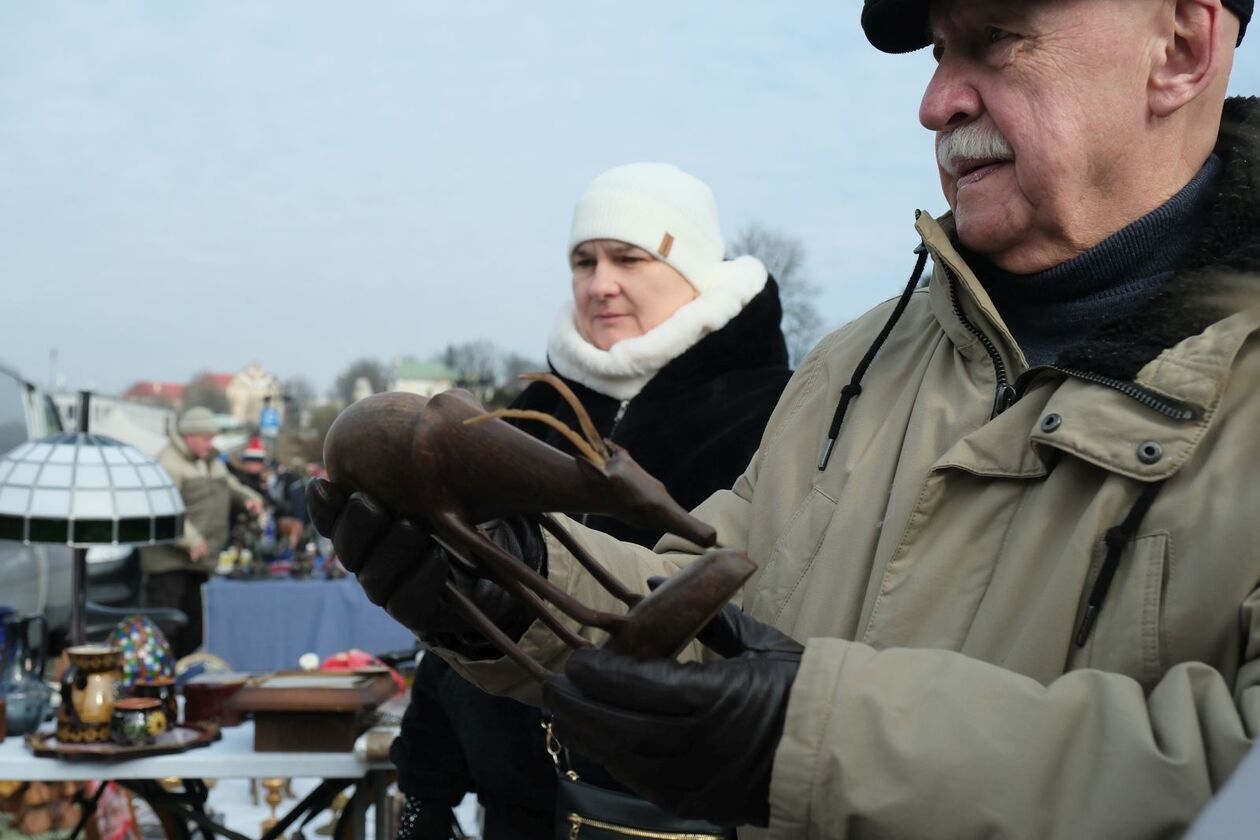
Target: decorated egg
{"points": [[146, 654]]}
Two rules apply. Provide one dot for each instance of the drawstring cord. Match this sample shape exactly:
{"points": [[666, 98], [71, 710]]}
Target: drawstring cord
{"points": [[1116, 539], [854, 388]]}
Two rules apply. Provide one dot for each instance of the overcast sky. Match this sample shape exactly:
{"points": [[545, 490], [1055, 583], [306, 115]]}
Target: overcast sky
{"points": [[188, 186]]}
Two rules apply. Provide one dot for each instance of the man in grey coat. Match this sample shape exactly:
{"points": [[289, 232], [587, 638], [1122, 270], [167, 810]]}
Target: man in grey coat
{"points": [[173, 573]]}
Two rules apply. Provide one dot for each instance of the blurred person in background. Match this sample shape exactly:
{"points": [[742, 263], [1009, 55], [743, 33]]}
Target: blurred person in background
{"points": [[173, 573], [658, 320], [286, 491], [249, 465]]}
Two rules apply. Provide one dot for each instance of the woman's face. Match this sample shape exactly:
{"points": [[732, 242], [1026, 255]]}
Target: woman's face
{"points": [[621, 291]]}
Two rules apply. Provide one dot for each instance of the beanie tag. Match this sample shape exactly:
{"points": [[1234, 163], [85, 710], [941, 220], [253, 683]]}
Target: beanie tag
{"points": [[667, 245]]}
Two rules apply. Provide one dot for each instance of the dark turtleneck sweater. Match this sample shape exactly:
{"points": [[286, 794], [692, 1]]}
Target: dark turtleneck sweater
{"points": [[1059, 307]]}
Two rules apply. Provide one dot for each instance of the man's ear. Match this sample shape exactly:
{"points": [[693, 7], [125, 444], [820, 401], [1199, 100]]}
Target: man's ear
{"points": [[1188, 54]]}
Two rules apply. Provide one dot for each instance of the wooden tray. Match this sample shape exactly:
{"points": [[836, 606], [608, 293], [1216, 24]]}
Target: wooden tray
{"points": [[176, 740]]}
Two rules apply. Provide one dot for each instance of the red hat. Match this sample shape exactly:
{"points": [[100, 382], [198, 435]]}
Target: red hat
{"points": [[254, 450]]}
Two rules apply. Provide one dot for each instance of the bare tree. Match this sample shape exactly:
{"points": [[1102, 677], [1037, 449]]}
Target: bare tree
{"points": [[510, 387], [299, 396], [784, 258], [205, 392], [476, 363], [370, 369], [515, 364], [322, 417]]}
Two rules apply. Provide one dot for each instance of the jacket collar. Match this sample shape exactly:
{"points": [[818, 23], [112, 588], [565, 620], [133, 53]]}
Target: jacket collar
{"points": [[1182, 342]]}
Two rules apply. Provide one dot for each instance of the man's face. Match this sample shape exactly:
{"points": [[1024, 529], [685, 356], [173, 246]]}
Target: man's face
{"points": [[1037, 106], [200, 445]]}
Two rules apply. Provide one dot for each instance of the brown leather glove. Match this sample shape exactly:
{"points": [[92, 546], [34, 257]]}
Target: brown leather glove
{"points": [[403, 569]]}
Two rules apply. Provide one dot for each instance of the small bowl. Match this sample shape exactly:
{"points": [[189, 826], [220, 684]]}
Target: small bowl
{"points": [[137, 721], [205, 696]]}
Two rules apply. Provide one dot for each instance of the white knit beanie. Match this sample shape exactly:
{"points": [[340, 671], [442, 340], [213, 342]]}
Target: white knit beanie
{"points": [[673, 216], [661, 209]]}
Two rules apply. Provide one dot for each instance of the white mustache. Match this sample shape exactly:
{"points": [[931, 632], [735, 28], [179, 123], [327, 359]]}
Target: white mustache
{"points": [[959, 150]]}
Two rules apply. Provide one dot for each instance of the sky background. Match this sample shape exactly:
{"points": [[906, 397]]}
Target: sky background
{"points": [[192, 186]]}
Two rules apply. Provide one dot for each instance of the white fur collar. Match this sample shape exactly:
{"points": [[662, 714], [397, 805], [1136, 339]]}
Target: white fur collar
{"points": [[622, 371]]}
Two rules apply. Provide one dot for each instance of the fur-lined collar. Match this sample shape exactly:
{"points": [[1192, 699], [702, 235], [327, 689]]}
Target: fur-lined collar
{"points": [[624, 370], [1191, 302]]}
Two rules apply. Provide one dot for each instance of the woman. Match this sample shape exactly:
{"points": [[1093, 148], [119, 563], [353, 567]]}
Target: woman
{"points": [[678, 357]]}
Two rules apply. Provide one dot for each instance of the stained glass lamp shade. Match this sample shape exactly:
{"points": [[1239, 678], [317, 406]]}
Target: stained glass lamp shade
{"points": [[82, 490], [86, 489]]}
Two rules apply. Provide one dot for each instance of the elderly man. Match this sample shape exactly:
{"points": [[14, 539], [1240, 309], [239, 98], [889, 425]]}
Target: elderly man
{"points": [[1007, 527], [173, 573]]}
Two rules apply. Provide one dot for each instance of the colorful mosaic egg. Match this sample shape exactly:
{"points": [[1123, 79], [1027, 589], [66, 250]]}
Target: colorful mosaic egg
{"points": [[146, 655]]}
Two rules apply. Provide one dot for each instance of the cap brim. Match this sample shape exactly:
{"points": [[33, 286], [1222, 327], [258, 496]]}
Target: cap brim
{"points": [[896, 26]]}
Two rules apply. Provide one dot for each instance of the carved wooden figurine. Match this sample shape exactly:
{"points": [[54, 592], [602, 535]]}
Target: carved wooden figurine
{"points": [[446, 462]]}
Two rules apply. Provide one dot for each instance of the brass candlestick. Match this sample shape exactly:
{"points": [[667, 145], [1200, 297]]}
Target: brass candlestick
{"points": [[275, 795]]}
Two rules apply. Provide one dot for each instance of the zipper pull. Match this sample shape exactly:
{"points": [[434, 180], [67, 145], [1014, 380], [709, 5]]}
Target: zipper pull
{"points": [[1006, 397], [575, 826]]}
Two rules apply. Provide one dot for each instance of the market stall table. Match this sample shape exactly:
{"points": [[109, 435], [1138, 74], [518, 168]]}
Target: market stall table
{"points": [[232, 756], [266, 625]]}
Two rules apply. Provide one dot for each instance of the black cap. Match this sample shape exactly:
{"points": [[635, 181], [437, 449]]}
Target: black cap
{"points": [[901, 26], [896, 26], [1243, 9]]}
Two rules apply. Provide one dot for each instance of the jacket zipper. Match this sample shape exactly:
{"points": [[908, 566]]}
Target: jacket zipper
{"points": [[576, 821], [1156, 402], [1005, 395], [621, 412]]}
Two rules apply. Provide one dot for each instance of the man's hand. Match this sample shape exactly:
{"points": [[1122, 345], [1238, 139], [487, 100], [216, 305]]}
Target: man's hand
{"points": [[254, 506], [199, 551], [403, 569], [698, 739]]}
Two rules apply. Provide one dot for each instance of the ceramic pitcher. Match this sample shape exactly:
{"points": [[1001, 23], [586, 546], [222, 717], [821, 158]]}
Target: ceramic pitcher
{"points": [[22, 671], [88, 691]]}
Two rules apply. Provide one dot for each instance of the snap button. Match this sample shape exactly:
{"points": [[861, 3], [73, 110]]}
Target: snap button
{"points": [[1149, 452], [1051, 422]]}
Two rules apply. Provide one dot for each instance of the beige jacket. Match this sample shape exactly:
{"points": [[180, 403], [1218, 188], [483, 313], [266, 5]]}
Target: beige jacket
{"points": [[210, 493], [938, 568]]}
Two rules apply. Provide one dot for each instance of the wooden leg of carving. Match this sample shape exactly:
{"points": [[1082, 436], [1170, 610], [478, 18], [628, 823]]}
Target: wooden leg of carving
{"points": [[491, 631], [602, 575], [672, 615], [490, 568], [523, 581]]}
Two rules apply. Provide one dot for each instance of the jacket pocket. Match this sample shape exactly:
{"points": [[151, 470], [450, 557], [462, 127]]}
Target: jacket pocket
{"points": [[1127, 636], [792, 558]]}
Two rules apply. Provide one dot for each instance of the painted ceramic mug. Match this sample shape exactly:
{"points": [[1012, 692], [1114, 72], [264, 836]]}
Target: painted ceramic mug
{"points": [[137, 721], [163, 690]]}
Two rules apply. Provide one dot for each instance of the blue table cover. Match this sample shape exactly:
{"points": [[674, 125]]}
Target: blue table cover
{"points": [[266, 625]]}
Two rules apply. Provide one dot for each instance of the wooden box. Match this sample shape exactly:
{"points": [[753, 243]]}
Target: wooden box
{"points": [[322, 711]]}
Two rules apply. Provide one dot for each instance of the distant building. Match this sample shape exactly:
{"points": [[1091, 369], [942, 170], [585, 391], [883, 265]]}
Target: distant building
{"points": [[423, 378], [246, 391], [168, 394]]}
